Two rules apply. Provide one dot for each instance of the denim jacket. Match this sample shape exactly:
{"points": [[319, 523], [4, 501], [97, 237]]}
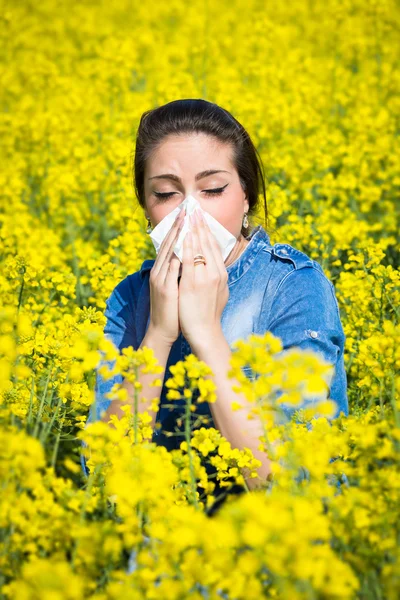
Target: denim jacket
{"points": [[274, 288]]}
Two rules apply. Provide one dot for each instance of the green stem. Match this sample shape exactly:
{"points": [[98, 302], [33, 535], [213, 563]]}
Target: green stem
{"points": [[56, 445], [139, 508], [31, 401], [20, 293], [89, 486], [188, 438], [77, 273], [393, 401], [38, 417], [46, 431]]}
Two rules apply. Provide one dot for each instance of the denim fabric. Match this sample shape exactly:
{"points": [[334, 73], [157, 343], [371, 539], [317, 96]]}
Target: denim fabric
{"points": [[272, 288]]}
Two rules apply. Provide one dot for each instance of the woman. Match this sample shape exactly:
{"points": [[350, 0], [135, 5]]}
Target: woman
{"points": [[204, 305]]}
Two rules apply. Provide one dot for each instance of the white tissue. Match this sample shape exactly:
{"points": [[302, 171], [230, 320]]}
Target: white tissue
{"points": [[225, 239]]}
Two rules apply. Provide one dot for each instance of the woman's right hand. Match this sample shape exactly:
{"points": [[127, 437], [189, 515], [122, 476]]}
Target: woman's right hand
{"points": [[163, 279]]}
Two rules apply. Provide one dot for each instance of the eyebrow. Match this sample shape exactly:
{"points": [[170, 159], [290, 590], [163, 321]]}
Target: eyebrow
{"points": [[200, 175]]}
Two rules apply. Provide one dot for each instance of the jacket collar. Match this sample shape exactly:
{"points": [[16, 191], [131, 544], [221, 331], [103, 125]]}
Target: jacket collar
{"points": [[258, 239]]}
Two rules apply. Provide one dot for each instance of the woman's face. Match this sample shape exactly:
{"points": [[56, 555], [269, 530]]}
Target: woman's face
{"points": [[177, 169]]}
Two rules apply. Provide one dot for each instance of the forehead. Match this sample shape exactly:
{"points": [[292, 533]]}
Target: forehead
{"points": [[194, 152]]}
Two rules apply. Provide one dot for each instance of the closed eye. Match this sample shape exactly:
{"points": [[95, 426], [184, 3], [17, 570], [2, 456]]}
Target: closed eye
{"points": [[213, 192]]}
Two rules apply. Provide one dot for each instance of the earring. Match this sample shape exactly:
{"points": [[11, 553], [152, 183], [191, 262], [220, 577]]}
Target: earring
{"points": [[149, 228], [245, 221]]}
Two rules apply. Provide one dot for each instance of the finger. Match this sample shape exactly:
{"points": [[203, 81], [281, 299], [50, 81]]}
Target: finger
{"points": [[173, 270], [204, 243], [200, 269], [161, 264], [187, 278], [216, 249], [170, 237]]}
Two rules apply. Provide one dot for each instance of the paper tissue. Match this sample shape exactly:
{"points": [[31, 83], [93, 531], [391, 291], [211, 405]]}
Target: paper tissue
{"points": [[225, 239]]}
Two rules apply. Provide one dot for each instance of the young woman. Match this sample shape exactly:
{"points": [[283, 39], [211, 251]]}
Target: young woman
{"points": [[205, 304]]}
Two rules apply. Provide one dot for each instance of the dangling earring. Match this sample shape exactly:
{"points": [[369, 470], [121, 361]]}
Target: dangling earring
{"points": [[149, 229], [245, 221]]}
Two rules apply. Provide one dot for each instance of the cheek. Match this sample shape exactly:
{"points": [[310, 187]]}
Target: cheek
{"points": [[158, 214], [229, 216], [160, 211]]}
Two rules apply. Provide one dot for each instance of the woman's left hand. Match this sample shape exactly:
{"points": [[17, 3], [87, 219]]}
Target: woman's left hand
{"points": [[203, 289]]}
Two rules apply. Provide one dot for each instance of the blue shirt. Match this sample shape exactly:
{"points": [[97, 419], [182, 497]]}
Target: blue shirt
{"points": [[274, 288]]}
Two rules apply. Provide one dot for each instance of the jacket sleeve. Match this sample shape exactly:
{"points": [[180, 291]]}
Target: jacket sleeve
{"points": [[304, 313], [120, 329]]}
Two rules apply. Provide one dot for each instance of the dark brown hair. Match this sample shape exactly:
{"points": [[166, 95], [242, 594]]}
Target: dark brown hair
{"points": [[194, 116]]}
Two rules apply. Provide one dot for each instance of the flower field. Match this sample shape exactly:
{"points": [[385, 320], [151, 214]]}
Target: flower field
{"points": [[317, 86]]}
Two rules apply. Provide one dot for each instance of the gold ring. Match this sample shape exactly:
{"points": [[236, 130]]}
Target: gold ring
{"points": [[199, 259]]}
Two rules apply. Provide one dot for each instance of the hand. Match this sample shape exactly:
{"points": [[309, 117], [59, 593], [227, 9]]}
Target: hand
{"points": [[164, 318], [203, 289]]}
